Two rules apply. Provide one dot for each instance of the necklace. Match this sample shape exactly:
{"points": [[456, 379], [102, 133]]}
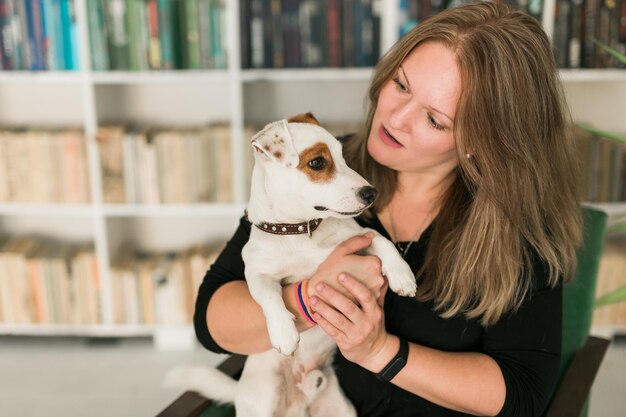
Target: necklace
{"points": [[420, 229]]}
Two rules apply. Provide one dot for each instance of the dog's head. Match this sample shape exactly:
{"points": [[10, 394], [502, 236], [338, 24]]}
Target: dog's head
{"points": [[305, 170]]}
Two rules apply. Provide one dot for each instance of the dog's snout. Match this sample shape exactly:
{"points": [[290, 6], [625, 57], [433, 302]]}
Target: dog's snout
{"points": [[367, 194]]}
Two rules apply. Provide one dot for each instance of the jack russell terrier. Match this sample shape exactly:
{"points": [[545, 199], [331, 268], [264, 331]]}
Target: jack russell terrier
{"points": [[302, 203]]}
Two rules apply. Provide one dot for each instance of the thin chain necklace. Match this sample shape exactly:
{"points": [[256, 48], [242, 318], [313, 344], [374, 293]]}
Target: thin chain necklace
{"points": [[418, 232]]}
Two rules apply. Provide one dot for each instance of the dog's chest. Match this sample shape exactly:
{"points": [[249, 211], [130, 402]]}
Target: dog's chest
{"points": [[294, 258]]}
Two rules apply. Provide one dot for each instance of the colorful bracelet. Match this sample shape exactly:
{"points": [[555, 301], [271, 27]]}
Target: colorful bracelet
{"points": [[302, 298]]}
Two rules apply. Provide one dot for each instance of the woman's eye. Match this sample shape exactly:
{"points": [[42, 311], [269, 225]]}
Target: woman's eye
{"points": [[399, 84], [433, 123], [317, 164]]}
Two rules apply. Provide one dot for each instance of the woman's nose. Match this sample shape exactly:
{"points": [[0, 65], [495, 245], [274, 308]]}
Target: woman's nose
{"points": [[402, 116]]}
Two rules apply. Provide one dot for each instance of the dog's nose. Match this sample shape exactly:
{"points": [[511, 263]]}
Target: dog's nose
{"points": [[367, 194]]}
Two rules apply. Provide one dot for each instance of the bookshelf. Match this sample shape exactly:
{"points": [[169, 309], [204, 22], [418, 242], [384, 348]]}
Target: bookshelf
{"points": [[84, 98]]}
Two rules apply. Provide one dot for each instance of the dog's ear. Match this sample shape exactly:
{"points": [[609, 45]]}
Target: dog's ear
{"points": [[304, 118], [274, 143]]}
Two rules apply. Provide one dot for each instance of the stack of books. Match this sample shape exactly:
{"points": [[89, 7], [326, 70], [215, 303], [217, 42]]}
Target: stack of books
{"points": [[38, 35], [309, 33], [169, 166], [611, 276], [603, 163], [41, 166], [159, 288], [48, 282], [140, 35]]}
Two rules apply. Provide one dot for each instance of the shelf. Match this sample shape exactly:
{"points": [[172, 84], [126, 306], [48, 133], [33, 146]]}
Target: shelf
{"points": [[252, 75], [94, 330], [608, 330], [48, 77], [66, 210], [307, 74], [158, 77], [593, 75], [206, 209]]}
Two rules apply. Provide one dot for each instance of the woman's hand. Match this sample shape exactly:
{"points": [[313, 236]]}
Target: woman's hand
{"points": [[356, 322], [344, 259]]}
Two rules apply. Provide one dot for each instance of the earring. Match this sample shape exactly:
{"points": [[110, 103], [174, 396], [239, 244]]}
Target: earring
{"points": [[468, 156]]}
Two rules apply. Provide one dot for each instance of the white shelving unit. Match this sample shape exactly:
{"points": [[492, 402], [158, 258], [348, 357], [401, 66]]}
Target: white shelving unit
{"points": [[85, 99]]}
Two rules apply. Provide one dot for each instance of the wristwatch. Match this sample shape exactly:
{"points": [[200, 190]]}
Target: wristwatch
{"points": [[396, 364]]}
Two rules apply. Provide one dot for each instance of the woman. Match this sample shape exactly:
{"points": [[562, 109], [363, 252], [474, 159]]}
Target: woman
{"points": [[466, 142]]}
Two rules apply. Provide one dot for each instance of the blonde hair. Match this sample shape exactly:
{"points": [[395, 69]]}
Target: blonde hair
{"points": [[515, 199]]}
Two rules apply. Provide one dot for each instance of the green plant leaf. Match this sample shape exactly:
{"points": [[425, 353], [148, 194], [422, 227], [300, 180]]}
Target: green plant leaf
{"points": [[618, 55], [603, 133], [613, 297]]}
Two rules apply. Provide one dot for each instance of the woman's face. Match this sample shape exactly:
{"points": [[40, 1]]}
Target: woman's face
{"points": [[413, 123]]}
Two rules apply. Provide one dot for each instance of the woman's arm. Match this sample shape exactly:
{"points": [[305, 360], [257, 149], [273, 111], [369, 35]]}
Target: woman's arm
{"points": [[515, 376], [236, 322]]}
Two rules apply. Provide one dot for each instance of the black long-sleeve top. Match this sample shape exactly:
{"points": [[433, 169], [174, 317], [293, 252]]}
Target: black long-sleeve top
{"points": [[525, 344]]}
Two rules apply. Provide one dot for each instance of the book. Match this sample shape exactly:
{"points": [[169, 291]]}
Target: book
{"points": [[117, 35], [97, 37], [611, 276], [109, 139]]}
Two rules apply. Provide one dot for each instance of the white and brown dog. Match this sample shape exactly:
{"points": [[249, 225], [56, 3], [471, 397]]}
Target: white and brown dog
{"points": [[302, 203]]}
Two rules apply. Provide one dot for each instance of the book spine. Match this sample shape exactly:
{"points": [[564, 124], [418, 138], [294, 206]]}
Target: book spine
{"points": [[291, 34], [205, 32], [117, 34], [219, 33], [192, 34], [562, 21], [334, 41], [52, 62], [256, 34], [244, 28], [70, 51], [154, 49], [591, 13], [97, 41], [165, 34], [6, 39]]}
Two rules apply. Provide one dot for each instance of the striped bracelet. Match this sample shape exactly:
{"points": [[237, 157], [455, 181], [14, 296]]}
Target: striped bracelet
{"points": [[302, 298]]}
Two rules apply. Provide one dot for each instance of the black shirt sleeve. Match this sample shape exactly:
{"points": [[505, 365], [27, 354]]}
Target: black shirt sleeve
{"points": [[526, 345], [228, 267]]}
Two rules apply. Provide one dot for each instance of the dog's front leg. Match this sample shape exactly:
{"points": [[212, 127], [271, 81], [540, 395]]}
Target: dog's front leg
{"points": [[267, 292], [398, 272]]}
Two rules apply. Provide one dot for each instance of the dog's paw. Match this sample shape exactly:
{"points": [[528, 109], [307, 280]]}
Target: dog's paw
{"points": [[283, 334], [401, 278]]}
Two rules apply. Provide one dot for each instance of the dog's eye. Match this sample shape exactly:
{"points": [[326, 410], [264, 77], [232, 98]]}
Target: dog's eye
{"points": [[317, 164]]}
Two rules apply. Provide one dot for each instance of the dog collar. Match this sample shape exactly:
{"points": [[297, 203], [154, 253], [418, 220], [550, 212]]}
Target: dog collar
{"points": [[289, 228]]}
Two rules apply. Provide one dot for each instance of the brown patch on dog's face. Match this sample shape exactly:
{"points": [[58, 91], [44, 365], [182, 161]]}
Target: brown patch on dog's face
{"points": [[304, 118], [317, 163]]}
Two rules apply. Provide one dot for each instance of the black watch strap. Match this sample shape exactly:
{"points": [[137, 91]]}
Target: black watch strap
{"points": [[396, 364]]}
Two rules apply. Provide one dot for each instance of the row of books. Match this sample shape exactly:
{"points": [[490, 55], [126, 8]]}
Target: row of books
{"points": [[611, 276], [171, 166], [578, 24], [309, 33], [140, 35], [412, 12], [603, 163], [40, 166], [159, 288], [38, 35], [46, 282]]}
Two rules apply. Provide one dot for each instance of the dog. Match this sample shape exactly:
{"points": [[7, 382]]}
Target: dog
{"points": [[302, 204]]}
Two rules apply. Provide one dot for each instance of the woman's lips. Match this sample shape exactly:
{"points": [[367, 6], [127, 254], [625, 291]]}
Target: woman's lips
{"points": [[387, 138]]}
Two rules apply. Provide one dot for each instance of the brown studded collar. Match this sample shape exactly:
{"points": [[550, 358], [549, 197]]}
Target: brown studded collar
{"points": [[288, 228]]}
